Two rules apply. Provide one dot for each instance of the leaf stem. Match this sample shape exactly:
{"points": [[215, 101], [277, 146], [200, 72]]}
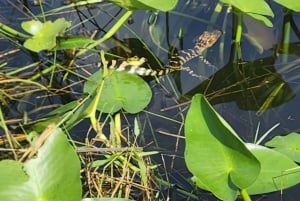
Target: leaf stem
{"points": [[10, 32], [117, 129], [238, 36], [245, 195], [286, 36]]}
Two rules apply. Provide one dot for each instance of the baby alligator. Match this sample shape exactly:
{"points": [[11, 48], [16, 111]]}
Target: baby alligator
{"points": [[133, 65]]}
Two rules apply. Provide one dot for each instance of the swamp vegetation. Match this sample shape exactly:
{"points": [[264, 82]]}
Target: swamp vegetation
{"points": [[72, 128]]}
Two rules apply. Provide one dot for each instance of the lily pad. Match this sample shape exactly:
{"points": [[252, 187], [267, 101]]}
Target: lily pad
{"points": [[11, 174], [119, 90], [277, 171], [256, 8], [290, 4], [146, 4], [106, 199], [44, 34], [288, 145], [215, 155], [53, 175]]}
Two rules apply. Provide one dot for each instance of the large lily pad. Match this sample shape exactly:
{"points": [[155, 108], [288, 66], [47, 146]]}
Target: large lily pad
{"points": [[119, 90], [106, 199], [277, 171], [53, 175], [214, 153], [288, 145], [11, 174]]}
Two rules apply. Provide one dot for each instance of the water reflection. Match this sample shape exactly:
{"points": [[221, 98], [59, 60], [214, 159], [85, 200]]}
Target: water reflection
{"points": [[252, 85]]}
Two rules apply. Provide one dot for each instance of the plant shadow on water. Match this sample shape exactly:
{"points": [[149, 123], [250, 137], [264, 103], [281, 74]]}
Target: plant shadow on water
{"points": [[253, 86]]}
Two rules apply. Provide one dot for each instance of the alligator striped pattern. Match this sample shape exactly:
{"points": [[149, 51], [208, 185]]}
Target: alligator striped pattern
{"points": [[133, 65]]}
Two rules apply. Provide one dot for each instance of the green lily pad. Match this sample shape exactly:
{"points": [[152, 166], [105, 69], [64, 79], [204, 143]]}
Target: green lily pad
{"points": [[44, 34], [256, 8], [119, 90], [288, 145], [146, 4], [33, 27], [215, 155], [106, 199], [53, 175], [11, 174], [290, 4], [277, 171]]}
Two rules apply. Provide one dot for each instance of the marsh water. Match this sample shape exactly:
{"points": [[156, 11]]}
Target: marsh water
{"points": [[253, 95]]}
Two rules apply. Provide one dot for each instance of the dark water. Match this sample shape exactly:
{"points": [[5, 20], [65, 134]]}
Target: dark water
{"points": [[238, 90]]}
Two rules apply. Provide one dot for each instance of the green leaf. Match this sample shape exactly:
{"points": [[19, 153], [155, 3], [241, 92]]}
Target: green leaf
{"points": [[288, 145], [261, 18], [40, 125], [11, 175], [257, 9], [60, 175], [44, 34], [53, 175], [120, 90], [98, 163], [253, 6], [160, 5], [215, 155], [33, 27], [64, 108], [277, 171], [146, 4], [72, 42], [290, 4], [106, 199]]}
